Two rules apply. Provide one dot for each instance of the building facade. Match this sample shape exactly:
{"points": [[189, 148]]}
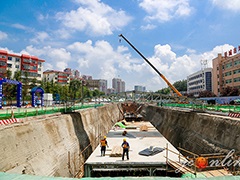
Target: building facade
{"points": [[103, 85], [24, 63], [74, 74], [118, 85], [226, 72], [199, 81], [139, 88], [59, 77]]}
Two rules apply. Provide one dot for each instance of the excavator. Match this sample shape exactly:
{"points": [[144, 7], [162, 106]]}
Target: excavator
{"points": [[160, 74]]}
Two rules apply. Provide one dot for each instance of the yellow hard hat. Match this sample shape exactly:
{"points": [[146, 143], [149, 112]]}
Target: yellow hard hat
{"points": [[104, 137], [124, 139]]}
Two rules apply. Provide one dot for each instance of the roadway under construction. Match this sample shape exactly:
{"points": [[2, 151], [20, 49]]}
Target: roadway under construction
{"points": [[151, 154]]}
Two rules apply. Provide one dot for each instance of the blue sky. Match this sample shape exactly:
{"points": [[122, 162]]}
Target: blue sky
{"points": [[174, 35]]}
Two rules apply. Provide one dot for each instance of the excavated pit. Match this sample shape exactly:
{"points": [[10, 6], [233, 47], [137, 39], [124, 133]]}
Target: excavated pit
{"points": [[59, 144]]}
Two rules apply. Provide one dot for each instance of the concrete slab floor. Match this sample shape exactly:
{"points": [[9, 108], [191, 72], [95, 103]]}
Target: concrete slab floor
{"points": [[140, 141]]}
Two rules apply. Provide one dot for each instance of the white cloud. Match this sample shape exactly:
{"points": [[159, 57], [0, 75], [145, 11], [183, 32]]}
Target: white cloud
{"points": [[40, 37], [20, 26], [3, 35], [148, 27], [233, 5], [57, 57], [100, 60], [165, 10], [94, 18]]}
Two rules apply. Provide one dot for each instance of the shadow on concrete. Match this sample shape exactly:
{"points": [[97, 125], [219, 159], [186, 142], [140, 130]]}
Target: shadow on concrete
{"points": [[84, 141]]}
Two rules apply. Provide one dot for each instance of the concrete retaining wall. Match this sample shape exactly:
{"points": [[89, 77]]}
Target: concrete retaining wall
{"points": [[54, 145], [196, 132]]}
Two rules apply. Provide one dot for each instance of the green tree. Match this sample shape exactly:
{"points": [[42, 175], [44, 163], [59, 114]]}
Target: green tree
{"points": [[181, 85], [33, 83], [18, 76], [206, 94], [230, 91], [74, 87], [25, 86], [9, 74], [164, 91]]}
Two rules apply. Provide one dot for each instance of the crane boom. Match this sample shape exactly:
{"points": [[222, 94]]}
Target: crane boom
{"points": [[160, 74]]}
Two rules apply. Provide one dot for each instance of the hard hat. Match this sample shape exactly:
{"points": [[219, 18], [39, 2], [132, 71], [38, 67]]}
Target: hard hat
{"points": [[124, 139], [104, 137]]}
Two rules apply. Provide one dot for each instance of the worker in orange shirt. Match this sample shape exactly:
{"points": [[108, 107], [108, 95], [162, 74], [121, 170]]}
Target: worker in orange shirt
{"points": [[103, 144]]}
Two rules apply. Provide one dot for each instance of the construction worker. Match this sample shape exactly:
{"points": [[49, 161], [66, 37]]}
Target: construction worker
{"points": [[103, 144], [125, 146]]}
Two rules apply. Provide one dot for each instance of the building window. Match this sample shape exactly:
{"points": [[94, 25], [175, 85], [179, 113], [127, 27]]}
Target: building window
{"points": [[27, 60], [236, 79], [17, 60], [236, 71], [17, 66], [9, 65], [228, 73], [228, 81], [228, 65], [2, 64], [237, 62], [9, 58]]}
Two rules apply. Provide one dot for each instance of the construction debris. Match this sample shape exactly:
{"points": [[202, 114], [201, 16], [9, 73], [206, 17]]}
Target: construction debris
{"points": [[143, 128], [151, 151], [116, 151]]}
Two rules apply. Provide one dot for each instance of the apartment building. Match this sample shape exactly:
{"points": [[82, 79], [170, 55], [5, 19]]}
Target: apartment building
{"points": [[59, 77], [199, 81], [226, 71], [100, 84], [139, 88], [118, 85], [21, 62], [74, 74]]}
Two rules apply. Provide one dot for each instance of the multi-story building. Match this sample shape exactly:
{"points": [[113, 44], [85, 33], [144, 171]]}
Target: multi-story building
{"points": [[199, 81], [100, 84], [59, 77], [118, 85], [139, 88], [92, 84], [24, 63], [110, 91], [226, 72], [103, 85], [74, 74]]}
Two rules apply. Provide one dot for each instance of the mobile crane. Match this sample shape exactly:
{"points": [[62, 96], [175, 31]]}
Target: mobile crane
{"points": [[160, 74]]}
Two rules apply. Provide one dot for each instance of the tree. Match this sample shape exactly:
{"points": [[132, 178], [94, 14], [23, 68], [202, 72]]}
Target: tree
{"points": [[164, 91], [9, 74], [206, 94], [230, 91], [181, 85], [25, 86], [75, 85]]}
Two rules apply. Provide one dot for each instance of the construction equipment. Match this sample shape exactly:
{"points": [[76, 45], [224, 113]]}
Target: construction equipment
{"points": [[160, 74]]}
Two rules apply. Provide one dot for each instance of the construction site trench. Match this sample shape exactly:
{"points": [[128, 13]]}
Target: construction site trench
{"points": [[58, 145]]}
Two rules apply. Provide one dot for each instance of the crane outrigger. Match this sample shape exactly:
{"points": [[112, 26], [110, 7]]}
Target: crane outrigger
{"points": [[160, 74]]}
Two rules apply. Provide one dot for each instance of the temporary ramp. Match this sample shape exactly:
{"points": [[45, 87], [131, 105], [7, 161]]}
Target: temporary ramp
{"points": [[180, 167], [215, 173]]}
